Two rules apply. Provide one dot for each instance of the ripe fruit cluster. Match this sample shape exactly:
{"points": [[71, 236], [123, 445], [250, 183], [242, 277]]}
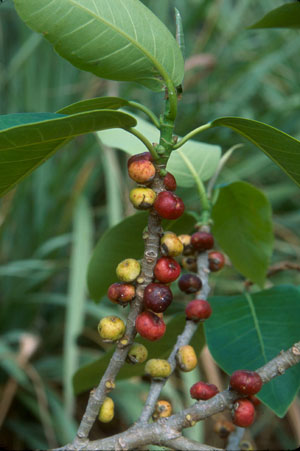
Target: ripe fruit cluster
{"points": [[247, 383], [196, 243], [142, 170], [243, 411], [189, 283], [157, 295]]}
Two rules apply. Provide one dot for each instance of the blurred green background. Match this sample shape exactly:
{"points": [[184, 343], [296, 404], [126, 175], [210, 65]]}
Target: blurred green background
{"points": [[51, 221]]}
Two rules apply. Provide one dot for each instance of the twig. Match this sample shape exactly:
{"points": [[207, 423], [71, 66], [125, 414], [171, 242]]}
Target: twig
{"points": [[185, 444], [107, 383], [183, 339], [170, 428], [156, 387], [220, 166], [234, 439]]}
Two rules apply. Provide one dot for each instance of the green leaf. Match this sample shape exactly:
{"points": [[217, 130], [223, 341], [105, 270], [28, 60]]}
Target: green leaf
{"points": [[97, 103], [283, 149], [29, 139], [119, 40], [249, 330], [89, 375], [194, 157], [242, 226], [127, 142], [113, 248], [286, 16]]}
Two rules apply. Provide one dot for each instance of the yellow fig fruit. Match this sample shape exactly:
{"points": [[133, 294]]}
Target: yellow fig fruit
{"points": [[158, 368], [186, 358], [142, 198], [137, 353], [107, 410], [162, 409], [111, 328], [187, 246], [171, 244], [128, 270]]}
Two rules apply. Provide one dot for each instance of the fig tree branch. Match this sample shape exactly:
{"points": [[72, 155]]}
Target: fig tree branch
{"points": [[170, 428], [183, 339], [107, 383], [156, 387], [185, 444]]}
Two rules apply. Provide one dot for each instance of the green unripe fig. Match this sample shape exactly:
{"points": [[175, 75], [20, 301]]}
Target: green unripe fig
{"points": [[107, 410], [138, 353], [128, 270], [111, 328], [142, 198], [186, 358], [158, 368]]}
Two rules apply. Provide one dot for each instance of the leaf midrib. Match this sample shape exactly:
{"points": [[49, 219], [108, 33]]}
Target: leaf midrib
{"points": [[189, 166], [256, 324]]}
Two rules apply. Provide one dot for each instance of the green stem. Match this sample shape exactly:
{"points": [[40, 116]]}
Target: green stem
{"points": [[144, 140], [147, 111], [171, 114], [193, 133], [205, 203]]}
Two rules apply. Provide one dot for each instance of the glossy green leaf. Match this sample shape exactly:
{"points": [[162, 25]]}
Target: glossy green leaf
{"points": [[127, 142], [194, 159], [29, 139], [286, 16], [124, 241], [203, 157], [283, 149], [89, 375], [97, 103], [245, 332], [119, 40], [242, 226]]}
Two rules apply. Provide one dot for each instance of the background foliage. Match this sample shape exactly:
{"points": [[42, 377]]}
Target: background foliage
{"points": [[55, 216]]}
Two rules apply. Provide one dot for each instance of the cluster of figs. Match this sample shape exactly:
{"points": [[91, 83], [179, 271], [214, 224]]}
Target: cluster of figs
{"points": [[176, 252]]}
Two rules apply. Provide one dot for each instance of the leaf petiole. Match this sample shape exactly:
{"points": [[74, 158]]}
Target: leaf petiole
{"points": [[147, 111], [193, 133], [205, 203], [144, 140]]}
